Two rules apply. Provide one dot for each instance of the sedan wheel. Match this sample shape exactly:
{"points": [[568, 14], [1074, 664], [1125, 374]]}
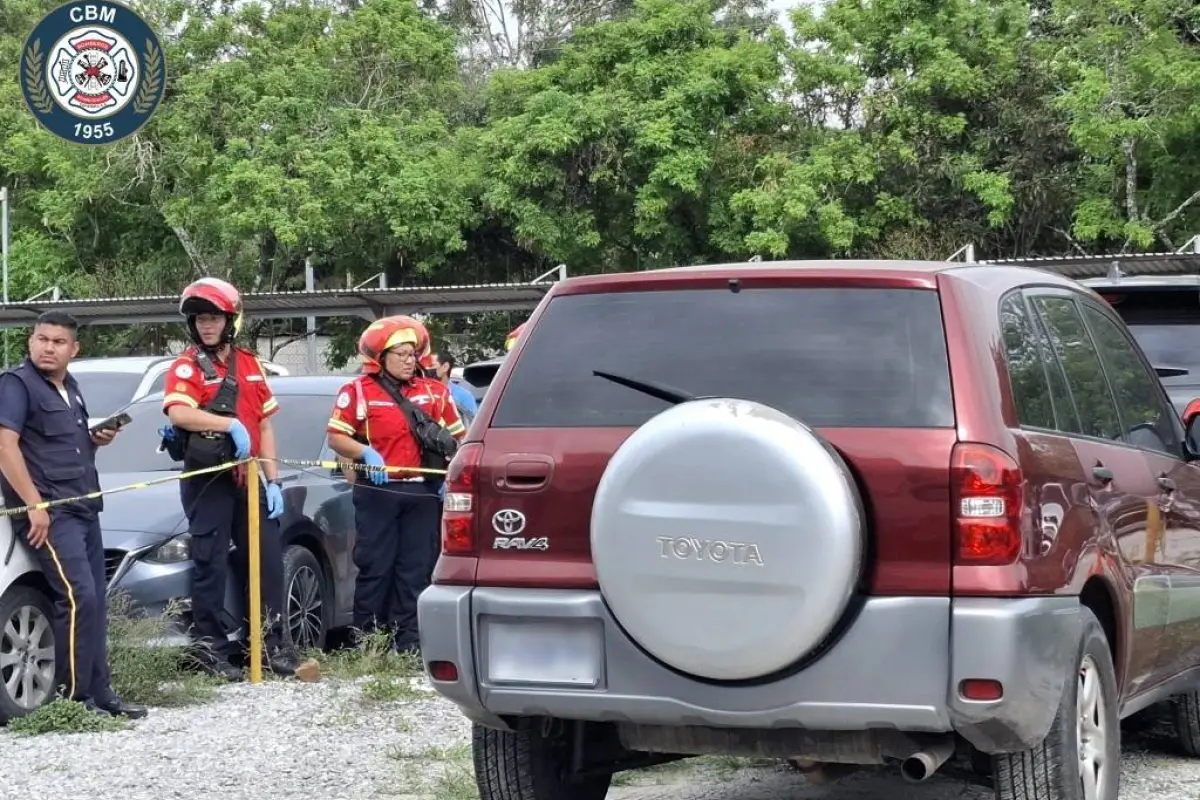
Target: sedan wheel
{"points": [[27, 666], [305, 599]]}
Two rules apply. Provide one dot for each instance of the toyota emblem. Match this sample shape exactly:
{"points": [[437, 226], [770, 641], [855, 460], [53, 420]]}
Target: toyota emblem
{"points": [[508, 522]]}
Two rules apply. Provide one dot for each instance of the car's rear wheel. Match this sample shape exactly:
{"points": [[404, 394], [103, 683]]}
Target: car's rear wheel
{"points": [[528, 764], [307, 599], [27, 665], [1080, 756], [1187, 721]]}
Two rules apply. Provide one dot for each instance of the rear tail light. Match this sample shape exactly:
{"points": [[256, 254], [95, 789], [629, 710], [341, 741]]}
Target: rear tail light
{"points": [[461, 502], [987, 496]]}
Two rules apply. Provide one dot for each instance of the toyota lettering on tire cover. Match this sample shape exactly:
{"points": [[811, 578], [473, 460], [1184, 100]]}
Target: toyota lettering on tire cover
{"points": [[93, 73]]}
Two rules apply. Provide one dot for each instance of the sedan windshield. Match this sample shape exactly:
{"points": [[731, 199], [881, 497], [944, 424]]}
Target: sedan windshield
{"points": [[299, 434]]}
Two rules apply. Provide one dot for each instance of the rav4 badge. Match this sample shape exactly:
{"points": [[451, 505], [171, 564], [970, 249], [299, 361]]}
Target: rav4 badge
{"points": [[520, 543]]}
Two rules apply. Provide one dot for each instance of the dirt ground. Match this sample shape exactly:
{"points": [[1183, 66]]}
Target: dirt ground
{"points": [[1152, 768]]}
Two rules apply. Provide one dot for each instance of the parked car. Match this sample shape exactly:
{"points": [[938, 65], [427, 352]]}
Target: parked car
{"points": [[110, 384], [856, 511], [1163, 314], [27, 665], [479, 376], [147, 549]]}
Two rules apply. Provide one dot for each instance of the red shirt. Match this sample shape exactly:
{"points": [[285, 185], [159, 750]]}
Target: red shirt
{"points": [[364, 409], [186, 386]]}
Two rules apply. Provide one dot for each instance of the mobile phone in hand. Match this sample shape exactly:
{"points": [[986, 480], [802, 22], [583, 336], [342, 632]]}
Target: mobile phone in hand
{"points": [[113, 423]]}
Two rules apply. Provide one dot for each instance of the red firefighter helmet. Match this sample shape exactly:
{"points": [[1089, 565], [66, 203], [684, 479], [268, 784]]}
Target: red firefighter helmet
{"points": [[513, 335], [212, 296], [384, 334]]}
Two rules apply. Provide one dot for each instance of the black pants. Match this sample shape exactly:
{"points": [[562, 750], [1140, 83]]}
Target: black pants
{"points": [[72, 559], [216, 510], [395, 549]]}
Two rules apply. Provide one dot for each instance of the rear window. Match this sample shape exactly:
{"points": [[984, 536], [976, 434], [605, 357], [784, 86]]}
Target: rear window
{"points": [[830, 357], [1166, 325]]}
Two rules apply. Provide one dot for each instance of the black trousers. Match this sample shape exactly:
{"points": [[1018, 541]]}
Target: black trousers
{"points": [[216, 510], [72, 559], [395, 549]]}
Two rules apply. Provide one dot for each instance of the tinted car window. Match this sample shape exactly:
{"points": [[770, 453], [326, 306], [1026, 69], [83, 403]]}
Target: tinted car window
{"points": [[1165, 321], [1085, 377], [159, 384], [106, 393], [1145, 416], [1066, 415], [299, 425], [1026, 366], [828, 356]]}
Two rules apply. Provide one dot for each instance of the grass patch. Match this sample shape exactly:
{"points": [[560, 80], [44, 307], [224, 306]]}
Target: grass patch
{"points": [[715, 768], [143, 671], [65, 716], [439, 773], [388, 675]]}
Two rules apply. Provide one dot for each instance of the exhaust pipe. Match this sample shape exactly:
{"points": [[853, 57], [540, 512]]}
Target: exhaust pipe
{"points": [[921, 765]]}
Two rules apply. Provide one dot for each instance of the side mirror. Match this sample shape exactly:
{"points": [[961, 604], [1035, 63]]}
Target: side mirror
{"points": [[1190, 411], [1191, 436]]}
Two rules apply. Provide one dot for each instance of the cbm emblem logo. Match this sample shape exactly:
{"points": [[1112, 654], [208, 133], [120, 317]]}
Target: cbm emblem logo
{"points": [[93, 73]]}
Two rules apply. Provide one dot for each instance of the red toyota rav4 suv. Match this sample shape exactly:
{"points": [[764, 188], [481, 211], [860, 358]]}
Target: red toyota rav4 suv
{"points": [[851, 512]]}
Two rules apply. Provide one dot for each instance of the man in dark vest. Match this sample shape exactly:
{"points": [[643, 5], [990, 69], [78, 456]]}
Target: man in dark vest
{"points": [[47, 453]]}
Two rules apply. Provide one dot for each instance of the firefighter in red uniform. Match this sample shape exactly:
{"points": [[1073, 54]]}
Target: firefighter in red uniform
{"points": [[220, 408], [393, 416]]}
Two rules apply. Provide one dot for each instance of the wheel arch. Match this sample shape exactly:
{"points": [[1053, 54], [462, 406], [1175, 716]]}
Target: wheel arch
{"points": [[1098, 596], [307, 535]]}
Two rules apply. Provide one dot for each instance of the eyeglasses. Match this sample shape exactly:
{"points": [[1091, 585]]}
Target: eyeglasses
{"points": [[405, 356]]}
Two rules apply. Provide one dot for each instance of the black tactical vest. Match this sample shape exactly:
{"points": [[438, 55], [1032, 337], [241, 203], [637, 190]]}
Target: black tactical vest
{"points": [[56, 444]]}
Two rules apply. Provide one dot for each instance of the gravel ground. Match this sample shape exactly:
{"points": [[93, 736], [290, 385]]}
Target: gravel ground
{"points": [[327, 742]]}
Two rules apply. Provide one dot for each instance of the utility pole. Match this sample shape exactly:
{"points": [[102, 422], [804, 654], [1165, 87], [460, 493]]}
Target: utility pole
{"points": [[4, 257], [311, 327]]}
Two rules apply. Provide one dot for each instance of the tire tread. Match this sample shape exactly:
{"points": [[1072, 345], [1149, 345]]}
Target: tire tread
{"points": [[521, 765], [1187, 722]]}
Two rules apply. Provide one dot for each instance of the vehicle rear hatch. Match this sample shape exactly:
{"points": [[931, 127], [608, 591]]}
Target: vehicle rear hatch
{"points": [[1165, 321], [864, 364]]}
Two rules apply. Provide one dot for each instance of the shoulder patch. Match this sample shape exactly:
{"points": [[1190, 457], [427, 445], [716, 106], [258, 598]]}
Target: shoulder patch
{"points": [[343, 400], [184, 371]]}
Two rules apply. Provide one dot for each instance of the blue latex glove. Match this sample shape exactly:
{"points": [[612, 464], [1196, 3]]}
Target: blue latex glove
{"points": [[167, 432], [274, 501], [372, 458], [241, 439], [442, 492]]}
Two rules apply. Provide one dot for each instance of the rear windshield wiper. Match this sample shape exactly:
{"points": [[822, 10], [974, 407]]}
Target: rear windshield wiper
{"points": [[659, 391]]}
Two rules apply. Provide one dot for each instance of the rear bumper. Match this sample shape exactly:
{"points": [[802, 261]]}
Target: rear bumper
{"points": [[526, 652]]}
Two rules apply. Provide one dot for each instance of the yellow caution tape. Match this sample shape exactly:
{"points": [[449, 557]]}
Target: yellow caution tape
{"points": [[12, 512], [351, 465]]}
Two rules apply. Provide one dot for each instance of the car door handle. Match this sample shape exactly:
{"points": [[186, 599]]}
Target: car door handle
{"points": [[1102, 474], [1166, 484], [523, 474]]}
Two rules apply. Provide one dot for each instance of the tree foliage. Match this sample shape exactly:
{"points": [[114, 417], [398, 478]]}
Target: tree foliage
{"points": [[456, 141]]}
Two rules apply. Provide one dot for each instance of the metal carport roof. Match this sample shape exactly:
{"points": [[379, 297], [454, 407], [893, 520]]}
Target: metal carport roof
{"points": [[366, 303], [1097, 266]]}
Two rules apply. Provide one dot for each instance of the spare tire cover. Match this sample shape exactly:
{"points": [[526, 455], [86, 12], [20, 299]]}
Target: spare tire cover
{"points": [[727, 538]]}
